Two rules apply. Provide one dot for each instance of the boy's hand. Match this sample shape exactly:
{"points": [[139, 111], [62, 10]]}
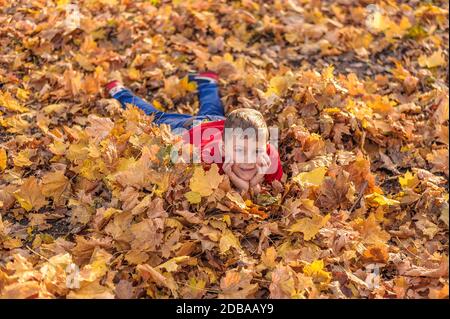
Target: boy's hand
{"points": [[241, 184], [256, 189], [263, 165]]}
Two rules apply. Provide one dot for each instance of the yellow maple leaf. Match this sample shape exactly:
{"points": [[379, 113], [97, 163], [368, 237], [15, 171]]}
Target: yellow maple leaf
{"points": [[97, 267], [227, 241], [395, 30], [188, 86], [434, 60], [54, 108], [327, 73], [377, 199], [157, 105], [84, 62], [11, 243], [314, 177], [317, 272], [62, 3], [408, 180], [29, 195], [399, 72], [22, 159], [134, 74], [172, 264], [228, 57], [92, 169], [370, 230], [204, 183], [310, 226], [381, 104], [10, 103], [57, 147], [15, 124], [279, 85], [77, 152], [193, 197], [22, 94], [196, 286], [161, 182]]}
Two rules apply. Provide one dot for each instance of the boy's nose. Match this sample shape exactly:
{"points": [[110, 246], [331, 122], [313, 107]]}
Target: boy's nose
{"points": [[250, 158]]}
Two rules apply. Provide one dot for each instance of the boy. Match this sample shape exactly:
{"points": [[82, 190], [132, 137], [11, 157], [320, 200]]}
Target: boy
{"points": [[237, 143]]}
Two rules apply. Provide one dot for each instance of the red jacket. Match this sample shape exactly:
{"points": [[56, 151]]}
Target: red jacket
{"points": [[207, 144]]}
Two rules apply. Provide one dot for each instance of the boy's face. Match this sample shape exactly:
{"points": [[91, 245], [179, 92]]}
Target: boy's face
{"points": [[245, 153]]}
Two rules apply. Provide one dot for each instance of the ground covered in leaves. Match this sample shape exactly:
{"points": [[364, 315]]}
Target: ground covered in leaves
{"points": [[91, 205]]}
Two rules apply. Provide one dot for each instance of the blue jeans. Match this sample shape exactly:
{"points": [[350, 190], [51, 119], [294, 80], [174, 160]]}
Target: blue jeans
{"points": [[211, 108]]}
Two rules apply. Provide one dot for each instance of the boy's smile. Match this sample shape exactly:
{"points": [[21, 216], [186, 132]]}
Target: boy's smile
{"points": [[245, 171]]}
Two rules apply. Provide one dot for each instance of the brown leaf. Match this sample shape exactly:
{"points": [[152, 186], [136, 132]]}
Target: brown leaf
{"points": [[54, 184], [29, 195], [237, 285]]}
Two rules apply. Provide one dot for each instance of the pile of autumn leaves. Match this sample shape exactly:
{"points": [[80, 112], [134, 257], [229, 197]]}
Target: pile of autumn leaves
{"points": [[93, 207], [146, 234]]}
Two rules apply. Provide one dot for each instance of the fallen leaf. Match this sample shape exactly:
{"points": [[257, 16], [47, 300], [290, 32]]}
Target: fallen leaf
{"points": [[30, 195], [309, 226], [314, 177], [432, 61]]}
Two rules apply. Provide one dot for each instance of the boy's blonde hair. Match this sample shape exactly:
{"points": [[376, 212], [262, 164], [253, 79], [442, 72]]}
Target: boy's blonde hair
{"points": [[245, 118]]}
